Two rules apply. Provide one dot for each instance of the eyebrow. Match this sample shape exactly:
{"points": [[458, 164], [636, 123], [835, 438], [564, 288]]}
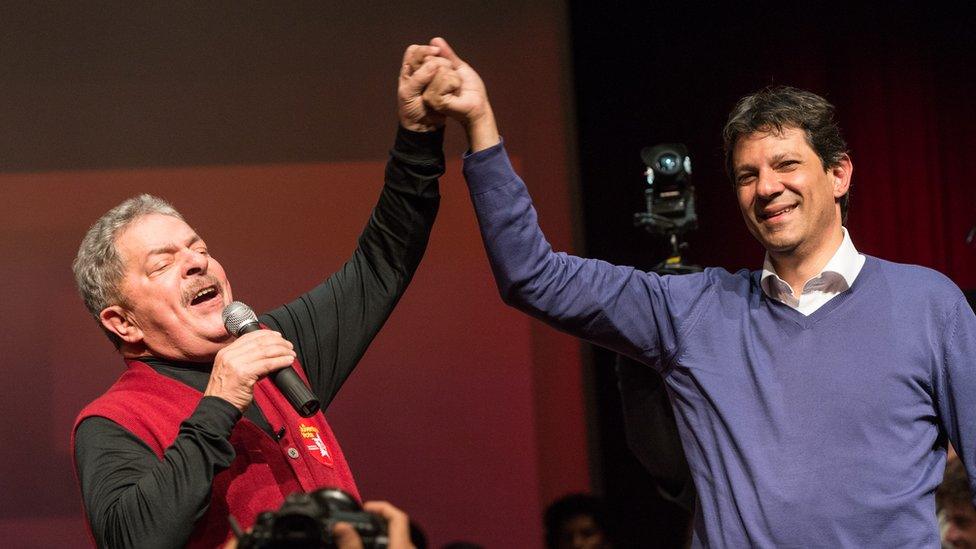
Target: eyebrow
{"points": [[776, 159], [170, 248]]}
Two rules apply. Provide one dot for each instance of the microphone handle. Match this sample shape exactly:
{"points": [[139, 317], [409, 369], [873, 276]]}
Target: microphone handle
{"points": [[301, 398]]}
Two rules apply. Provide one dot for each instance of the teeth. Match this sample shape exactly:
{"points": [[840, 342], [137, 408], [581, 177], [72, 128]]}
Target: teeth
{"points": [[774, 214], [203, 292]]}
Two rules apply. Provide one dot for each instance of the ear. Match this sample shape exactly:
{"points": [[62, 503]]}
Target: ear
{"points": [[842, 176], [118, 321]]}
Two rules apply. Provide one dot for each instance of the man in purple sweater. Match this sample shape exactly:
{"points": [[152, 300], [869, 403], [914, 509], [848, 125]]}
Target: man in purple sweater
{"points": [[815, 396]]}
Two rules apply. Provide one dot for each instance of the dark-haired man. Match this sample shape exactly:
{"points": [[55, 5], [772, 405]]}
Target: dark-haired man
{"points": [[577, 521], [813, 396]]}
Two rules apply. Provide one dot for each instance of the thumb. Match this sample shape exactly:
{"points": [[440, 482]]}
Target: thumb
{"points": [[447, 52]]}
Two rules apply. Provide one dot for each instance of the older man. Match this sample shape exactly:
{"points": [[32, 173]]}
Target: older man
{"points": [[193, 431], [813, 396]]}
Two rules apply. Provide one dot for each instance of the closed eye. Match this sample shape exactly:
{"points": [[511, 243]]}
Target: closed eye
{"points": [[158, 268]]}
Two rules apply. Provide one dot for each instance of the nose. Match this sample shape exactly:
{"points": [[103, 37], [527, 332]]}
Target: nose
{"points": [[195, 263], [769, 184], [953, 535]]}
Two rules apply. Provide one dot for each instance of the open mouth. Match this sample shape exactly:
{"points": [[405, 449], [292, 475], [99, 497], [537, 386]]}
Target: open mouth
{"points": [[204, 295]]}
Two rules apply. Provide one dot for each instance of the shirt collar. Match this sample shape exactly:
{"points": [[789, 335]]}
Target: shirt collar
{"points": [[846, 262]]}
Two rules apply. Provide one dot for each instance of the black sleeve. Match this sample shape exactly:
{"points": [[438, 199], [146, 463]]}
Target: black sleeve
{"points": [[652, 434], [135, 500], [332, 325]]}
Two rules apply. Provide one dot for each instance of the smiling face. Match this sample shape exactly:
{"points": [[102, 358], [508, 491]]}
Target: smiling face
{"points": [[173, 292], [786, 196]]}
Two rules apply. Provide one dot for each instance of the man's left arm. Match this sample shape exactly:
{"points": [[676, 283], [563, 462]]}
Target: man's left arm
{"points": [[957, 392], [332, 325]]}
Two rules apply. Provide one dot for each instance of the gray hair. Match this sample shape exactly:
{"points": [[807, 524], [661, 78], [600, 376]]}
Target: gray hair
{"points": [[98, 266]]}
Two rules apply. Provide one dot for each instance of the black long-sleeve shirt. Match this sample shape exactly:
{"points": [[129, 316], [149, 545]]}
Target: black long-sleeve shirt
{"points": [[135, 500], [652, 433]]}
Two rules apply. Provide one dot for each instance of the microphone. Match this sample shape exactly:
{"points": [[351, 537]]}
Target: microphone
{"points": [[239, 319]]}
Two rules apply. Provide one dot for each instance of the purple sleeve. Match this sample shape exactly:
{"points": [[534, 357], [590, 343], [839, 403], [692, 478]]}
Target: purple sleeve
{"points": [[632, 312]]}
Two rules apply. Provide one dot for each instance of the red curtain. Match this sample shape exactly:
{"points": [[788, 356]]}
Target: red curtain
{"points": [[907, 106]]}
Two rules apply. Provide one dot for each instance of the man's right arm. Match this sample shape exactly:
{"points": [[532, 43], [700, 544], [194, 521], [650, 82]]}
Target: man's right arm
{"points": [[134, 499]]}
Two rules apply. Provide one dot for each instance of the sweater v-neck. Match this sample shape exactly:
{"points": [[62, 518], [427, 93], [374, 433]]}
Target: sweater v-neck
{"points": [[806, 322]]}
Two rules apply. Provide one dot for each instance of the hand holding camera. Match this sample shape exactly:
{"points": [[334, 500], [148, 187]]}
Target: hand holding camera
{"points": [[328, 518]]}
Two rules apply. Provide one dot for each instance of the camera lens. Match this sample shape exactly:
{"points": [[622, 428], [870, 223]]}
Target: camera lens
{"points": [[668, 163]]}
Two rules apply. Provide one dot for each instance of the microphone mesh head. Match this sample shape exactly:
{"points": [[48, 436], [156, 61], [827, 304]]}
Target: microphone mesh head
{"points": [[236, 316]]}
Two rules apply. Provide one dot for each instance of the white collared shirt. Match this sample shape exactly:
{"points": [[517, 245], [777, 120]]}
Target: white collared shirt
{"points": [[837, 276]]}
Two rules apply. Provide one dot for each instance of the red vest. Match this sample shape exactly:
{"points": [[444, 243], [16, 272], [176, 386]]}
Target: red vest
{"points": [[151, 406]]}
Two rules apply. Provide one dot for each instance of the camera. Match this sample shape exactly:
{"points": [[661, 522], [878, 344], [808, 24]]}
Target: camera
{"points": [[305, 520], [669, 202], [669, 196]]}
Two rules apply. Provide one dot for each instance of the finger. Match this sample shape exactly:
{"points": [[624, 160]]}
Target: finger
{"points": [[438, 60], [258, 351], [260, 334], [397, 521], [265, 366], [262, 337], [414, 55], [346, 536], [447, 52], [442, 91], [423, 76]]}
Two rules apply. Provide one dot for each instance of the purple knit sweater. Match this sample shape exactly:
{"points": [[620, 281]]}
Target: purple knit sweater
{"points": [[826, 430]]}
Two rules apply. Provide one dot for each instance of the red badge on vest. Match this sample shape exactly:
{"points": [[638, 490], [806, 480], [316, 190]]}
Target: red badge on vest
{"points": [[314, 444]]}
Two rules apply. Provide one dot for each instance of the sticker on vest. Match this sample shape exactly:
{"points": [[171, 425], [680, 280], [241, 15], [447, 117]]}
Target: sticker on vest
{"points": [[312, 439]]}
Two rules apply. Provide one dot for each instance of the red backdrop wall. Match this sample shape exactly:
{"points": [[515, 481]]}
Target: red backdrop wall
{"points": [[269, 129]]}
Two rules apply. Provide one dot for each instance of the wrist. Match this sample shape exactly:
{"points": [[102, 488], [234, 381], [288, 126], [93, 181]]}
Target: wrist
{"points": [[419, 127], [482, 130]]}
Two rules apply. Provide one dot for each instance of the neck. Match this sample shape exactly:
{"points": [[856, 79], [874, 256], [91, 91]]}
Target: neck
{"points": [[130, 352], [797, 266]]}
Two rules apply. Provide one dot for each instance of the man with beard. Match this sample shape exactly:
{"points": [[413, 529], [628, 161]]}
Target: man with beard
{"points": [[194, 431]]}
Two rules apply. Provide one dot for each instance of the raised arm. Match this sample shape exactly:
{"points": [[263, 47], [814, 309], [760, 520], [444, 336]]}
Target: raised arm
{"points": [[332, 325], [629, 311]]}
